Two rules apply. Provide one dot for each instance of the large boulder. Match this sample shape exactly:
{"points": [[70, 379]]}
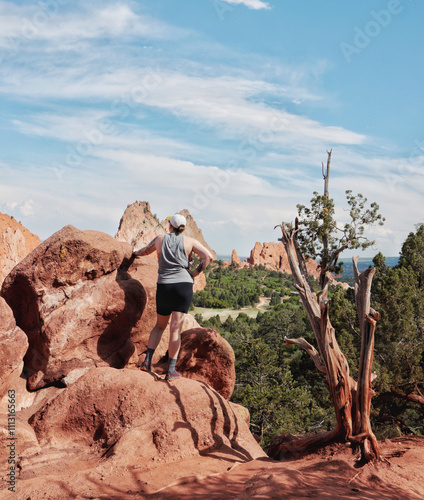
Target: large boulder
{"points": [[77, 304], [14, 344], [145, 271], [207, 357], [137, 417], [16, 242], [204, 356]]}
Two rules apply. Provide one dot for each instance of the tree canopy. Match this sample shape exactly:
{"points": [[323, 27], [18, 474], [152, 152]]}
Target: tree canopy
{"points": [[321, 238]]}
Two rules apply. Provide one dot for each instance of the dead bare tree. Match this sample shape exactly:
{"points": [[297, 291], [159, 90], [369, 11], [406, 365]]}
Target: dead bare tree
{"points": [[316, 234]]}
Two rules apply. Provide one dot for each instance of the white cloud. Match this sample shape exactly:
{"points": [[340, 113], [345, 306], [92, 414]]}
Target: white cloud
{"points": [[69, 128], [51, 21], [95, 196], [227, 104], [233, 209], [237, 108], [199, 185], [11, 205], [252, 4], [87, 63], [25, 208]]}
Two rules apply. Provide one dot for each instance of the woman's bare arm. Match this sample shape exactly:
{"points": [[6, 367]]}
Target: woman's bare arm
{"points": [[203, 253], [149, 248]]}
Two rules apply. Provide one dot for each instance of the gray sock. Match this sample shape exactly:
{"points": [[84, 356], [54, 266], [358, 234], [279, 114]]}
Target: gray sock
{"points": [[171, 364], [149, 356]]}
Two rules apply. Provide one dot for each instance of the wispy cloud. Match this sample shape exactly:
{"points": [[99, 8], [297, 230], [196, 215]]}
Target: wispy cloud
{"points": [[52, 21], [25, 208], [227, 104], [121, 106], [252, 4], [235, 107]]}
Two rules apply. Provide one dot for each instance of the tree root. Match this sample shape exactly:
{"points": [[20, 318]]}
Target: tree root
{"points": [[289, 445]]}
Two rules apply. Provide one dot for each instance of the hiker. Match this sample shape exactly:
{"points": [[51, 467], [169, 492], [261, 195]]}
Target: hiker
{"points": [[174, 291]]}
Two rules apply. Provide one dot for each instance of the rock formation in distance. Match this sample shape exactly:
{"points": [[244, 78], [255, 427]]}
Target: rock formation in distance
{"points": [[138, 226], [16, 242]]}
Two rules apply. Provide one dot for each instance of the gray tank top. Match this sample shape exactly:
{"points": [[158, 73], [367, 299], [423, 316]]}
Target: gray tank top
{"points": [[173, 261]]}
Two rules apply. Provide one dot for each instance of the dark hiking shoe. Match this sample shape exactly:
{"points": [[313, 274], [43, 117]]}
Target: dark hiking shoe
{"points": [[172, 375], [145, 367]]}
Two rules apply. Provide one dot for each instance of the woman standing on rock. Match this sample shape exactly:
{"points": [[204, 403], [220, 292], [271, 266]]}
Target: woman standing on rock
{"points": [[174, 287]]}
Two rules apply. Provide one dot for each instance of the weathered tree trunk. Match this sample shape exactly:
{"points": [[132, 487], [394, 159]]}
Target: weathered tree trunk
{"points": [[326, 173], [351, 400], [326, 176], [367, 321]]}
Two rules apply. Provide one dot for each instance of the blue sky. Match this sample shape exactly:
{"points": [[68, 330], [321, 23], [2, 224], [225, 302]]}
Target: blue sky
{"points": [[226, 108]]}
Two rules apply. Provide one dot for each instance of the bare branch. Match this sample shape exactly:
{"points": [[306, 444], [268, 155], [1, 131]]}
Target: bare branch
{"points": [[335, 256], [300, 258], [326, 174], [415, 398], [304, 344], [355, 267]]}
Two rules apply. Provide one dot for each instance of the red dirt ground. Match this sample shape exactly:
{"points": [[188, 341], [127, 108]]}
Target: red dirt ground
{"points": [[330, 473]]}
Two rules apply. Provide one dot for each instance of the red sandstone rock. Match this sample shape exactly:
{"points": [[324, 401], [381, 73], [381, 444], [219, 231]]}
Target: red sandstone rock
{"points": [[138, 226], [271, 255], [26, 445], [244, 414], [133, 416], [234, 258], [345, 286], [193, 231], [274, 257], [145, 271], [14, 344], [16, 242], [75, 304], [255, 254], [224, 474], [207, 357]]}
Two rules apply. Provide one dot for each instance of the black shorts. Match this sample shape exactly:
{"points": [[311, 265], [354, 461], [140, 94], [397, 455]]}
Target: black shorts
{"points": [[173, 297]]}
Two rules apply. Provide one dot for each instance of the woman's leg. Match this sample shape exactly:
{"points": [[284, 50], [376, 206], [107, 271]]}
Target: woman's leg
{"points": [[154, 339], [158, 329], [177, 320]]}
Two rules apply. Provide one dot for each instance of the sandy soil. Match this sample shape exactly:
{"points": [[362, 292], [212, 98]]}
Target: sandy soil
{"points": [[329, 473]]}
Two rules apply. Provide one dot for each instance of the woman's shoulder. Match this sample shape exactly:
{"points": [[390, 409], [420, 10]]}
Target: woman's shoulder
{"points": [[159, 239]]}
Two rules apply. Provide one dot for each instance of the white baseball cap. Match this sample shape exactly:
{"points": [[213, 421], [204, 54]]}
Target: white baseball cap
{"points": [[177, 220]]}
